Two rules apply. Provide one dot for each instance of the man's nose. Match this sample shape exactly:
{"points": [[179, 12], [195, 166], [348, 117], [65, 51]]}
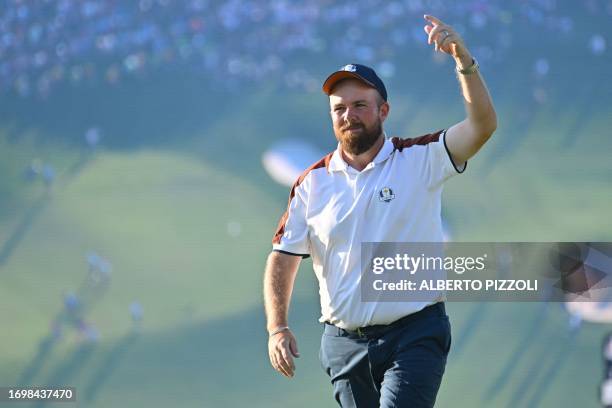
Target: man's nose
{"points": [[350, 115]]}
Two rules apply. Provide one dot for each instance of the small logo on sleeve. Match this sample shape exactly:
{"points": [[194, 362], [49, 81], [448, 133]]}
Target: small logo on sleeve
{"points": [[386, 194]]}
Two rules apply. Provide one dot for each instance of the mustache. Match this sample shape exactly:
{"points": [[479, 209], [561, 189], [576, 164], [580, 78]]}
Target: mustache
{"points": [[352, 126]]}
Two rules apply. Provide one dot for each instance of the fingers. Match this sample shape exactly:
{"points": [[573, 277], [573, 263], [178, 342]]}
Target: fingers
{"points": [[276, 360], [437, 34], [440, 34], [433, 20], [279, 366], [445, 42], [282, 348], [286, 361]]}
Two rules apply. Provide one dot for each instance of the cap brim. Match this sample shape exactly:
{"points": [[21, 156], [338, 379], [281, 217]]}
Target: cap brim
{"points": [[340, 75]]}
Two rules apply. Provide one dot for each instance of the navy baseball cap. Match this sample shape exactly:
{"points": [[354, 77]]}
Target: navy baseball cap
{"points": [[357, 71]]}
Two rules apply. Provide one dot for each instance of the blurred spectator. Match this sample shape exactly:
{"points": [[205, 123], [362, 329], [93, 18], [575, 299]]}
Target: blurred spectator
{"points": [[33, 170], [99, 268], [540, 95], [90, 333], [136, 313], [48, 174], [105, 268], [92, 138], [93, 260], [71, 302], [234, 229], [541, 67], [597, 44]]}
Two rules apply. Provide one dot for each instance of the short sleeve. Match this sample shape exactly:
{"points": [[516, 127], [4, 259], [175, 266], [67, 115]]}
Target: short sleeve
{"points": [[440, 163], [291, 235]]}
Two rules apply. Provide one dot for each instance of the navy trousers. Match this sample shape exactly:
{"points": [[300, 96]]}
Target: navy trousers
{"points": [[396, 365]]}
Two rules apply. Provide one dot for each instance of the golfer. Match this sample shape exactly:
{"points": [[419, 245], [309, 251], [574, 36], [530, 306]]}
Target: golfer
{"points": [[373, 189]]}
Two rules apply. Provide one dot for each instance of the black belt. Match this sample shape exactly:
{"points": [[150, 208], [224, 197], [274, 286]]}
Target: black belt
{"points": [[378, 330]]}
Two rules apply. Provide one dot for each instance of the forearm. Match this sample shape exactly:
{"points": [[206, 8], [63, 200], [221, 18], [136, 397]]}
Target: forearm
{"points": [[279, 278], [480, 112]]}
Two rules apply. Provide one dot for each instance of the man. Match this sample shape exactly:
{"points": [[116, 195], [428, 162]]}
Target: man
{"points": [[388, 354]]}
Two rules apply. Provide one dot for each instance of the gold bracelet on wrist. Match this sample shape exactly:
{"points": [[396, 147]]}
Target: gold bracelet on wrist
{"points": [[469, 70]]}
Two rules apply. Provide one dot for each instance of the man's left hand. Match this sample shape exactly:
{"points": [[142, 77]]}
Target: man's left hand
{"points": [[446, 40]]}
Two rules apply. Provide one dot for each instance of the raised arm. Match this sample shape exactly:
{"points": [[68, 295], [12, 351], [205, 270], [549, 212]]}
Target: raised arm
{"points": [[466, 137], [279, 278]]}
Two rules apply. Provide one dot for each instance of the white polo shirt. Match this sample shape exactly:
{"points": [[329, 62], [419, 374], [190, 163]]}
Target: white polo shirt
{"points": [[333, 208]]}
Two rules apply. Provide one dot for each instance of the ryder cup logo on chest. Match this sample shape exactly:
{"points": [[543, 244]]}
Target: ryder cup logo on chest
{"points": [[386, 194]]}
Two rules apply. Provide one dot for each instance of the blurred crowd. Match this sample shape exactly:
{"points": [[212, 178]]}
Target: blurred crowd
{"points": [[49, 42]]}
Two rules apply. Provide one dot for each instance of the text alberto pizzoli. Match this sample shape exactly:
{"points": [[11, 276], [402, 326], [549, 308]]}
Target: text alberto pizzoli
{"points": [[459, 265]]}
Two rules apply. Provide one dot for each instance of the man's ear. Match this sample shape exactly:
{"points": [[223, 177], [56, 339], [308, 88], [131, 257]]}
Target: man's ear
{"points": [[383, 111]]}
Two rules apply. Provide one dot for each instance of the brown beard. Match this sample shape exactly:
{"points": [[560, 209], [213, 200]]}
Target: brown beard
{"points": [[361, 142]]}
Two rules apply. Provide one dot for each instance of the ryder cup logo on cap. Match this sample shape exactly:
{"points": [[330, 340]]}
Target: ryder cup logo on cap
{"points": [[357, 71]]}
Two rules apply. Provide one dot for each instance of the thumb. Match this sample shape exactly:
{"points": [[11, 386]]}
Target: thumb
{"points": [[427, 28], [293, 348]]}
